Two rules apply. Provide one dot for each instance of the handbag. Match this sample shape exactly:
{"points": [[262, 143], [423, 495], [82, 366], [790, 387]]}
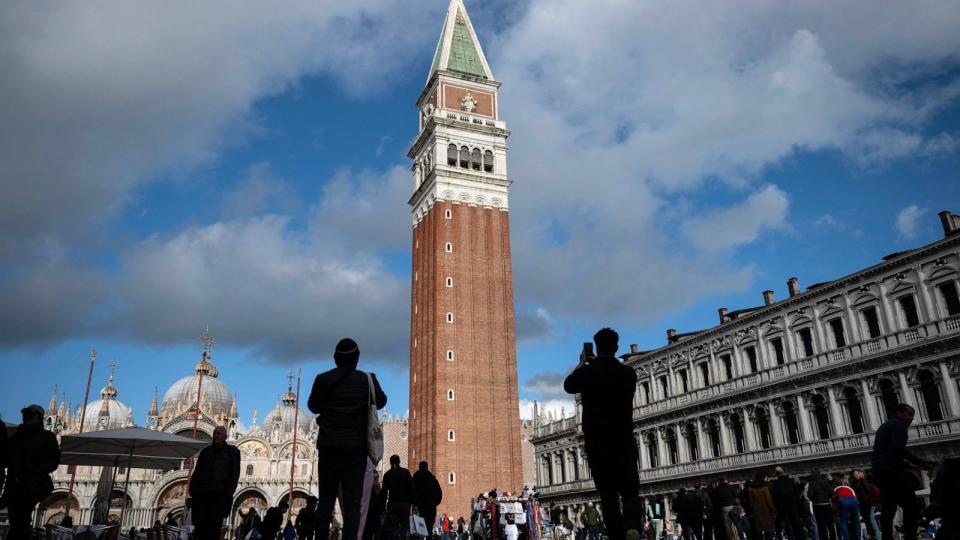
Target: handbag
{"points": [[374, 431], [418, 527]]}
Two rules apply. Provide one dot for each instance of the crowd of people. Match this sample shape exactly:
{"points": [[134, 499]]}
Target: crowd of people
{"points": [[773, 506]]}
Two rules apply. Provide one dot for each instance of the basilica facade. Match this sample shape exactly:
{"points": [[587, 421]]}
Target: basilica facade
{"points": [[266, 449], [803, 382]]}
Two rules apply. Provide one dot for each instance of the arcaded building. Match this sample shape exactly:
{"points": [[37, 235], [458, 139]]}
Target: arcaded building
{"points": [[464, 411], [801, 382]]}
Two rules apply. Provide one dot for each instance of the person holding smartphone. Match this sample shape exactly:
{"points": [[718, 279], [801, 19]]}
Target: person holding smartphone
{"points": [[606, 388]]}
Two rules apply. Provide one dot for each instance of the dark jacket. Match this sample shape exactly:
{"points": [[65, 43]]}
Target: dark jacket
{"points": [[271, 523], [819, 491], [862, 489], [786, 494], [726, 495], [398, 486], [215, 478], [306, 521], [32, 452], [606, 389], [688, 508], [890, 447], [340, 397], [427, 488]]}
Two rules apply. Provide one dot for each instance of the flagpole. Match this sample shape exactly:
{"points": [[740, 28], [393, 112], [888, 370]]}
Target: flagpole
{"points": [[293, 452], [196, 420], [83, 416]]}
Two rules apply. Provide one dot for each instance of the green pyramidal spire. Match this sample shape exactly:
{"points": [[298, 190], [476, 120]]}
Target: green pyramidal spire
{"points": [[459, 49]]}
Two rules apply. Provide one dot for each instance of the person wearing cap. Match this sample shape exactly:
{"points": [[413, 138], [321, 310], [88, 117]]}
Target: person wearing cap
{"points": [[32, 454], [307, 519], [340, 397]]}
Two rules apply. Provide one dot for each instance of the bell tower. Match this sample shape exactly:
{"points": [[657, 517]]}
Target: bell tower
{"points": [[464, 412]]}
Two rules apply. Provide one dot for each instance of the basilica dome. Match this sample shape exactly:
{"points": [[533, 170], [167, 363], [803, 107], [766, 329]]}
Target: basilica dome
{"points": [[107, 412], [215, 398], [284, 413]]}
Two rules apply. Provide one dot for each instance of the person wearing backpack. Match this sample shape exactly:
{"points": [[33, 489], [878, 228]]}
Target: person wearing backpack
{"points": [[341, 398]]}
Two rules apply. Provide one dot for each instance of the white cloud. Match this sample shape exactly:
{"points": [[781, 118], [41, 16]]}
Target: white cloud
{"points": [[559, 408], [728, 228], [619, 126], [906, 223]]}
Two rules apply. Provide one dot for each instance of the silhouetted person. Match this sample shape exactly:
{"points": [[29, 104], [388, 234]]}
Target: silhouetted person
{"points": [[891, 464], [307, 519], [945, 499], [820, 493], [428, 494], [32, 454], [212, 485], [399, 493], [606, 389], [689, 511], [340, 397], [273, 520], [786, 497]]}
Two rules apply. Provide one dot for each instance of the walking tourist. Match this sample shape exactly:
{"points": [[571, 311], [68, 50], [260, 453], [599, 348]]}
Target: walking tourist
{"points": [[339, 397], [866, 493], [762, 509], [689, 514], [591, 518], [786, 498], [579, 528], [428, 494], [273, 520], [212, 485], [945, 496], [848, 510], [726, 498], [820, 492], [32, 454], [399, 493], [894, 468], [307, 519], [606, 389], [704, 499]]}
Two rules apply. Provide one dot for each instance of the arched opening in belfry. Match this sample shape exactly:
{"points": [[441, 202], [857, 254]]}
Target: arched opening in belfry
{"points": [[713, 434], [791, 422], [851, 402], [763, 428], [464, 157], [821, 417], [653, 456], [930, 392], [739, 441], [672, 454], [888, 397], [488, 161], [690, 438], [475, 158], [452, 155]]}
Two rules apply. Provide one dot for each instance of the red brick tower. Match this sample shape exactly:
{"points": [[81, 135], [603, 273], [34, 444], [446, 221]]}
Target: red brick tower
{"points": [[464, 414]]}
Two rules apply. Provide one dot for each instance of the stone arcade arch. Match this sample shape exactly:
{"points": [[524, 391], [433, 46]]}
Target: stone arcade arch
{"points": [[170, 501], [791, 422], [889, 398], [299, 501], [52, 509], [248, 498]]}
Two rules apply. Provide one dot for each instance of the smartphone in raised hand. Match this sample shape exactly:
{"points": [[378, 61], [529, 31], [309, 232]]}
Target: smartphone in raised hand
{"points": [[588, 350]]}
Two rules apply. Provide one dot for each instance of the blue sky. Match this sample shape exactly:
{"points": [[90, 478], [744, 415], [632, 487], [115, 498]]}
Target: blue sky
{"points": [[246, 170]]}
